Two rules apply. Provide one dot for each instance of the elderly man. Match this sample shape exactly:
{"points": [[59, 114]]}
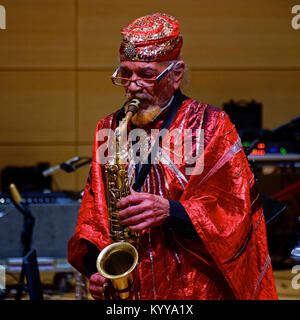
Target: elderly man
{"points": [[201, 229]]}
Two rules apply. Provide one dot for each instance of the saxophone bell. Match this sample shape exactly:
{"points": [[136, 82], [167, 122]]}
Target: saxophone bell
{"points": [[117, 262]]}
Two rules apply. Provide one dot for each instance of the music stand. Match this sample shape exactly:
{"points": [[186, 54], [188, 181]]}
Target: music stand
{"points": [[32, 274], [26, 236]]}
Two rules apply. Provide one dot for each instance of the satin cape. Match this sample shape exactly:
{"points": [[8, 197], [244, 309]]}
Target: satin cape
{"points": [[229, 259]]}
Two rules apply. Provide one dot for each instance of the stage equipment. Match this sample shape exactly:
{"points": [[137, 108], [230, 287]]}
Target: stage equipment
{"points": [[272, 207], [28, 179], [247, 118], [55, 216], [283, 140]]}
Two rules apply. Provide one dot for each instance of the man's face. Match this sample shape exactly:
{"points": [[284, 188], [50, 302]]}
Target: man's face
{"points": [[152, 98]]}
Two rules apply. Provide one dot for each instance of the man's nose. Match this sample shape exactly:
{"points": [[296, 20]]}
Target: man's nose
{"points": [[133, 87]]}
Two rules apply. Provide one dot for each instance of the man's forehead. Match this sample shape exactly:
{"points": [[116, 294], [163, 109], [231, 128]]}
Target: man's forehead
{"points": [[138, 65]]}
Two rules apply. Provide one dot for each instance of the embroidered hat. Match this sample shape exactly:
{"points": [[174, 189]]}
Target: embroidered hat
{"points": [[154, 37]]}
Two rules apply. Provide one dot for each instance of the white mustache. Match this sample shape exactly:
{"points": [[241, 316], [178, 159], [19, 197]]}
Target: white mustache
{"points": [[136, 96]]}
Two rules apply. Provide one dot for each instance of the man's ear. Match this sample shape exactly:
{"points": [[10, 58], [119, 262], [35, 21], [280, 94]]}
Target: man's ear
{"points": [[178, 72]]}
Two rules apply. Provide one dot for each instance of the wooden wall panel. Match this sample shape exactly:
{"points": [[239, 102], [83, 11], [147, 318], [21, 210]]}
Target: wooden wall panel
{"points": [[278, 91], [97, 98], [38, 34], [37, 107], [216, 33], [31, 155]]}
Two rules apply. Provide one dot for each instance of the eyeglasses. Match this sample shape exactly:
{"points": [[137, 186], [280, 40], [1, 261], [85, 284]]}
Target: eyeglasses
{"points": [[141, 82]]}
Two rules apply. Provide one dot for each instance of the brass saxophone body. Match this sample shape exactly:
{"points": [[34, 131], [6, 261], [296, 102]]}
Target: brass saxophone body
{"points": [[117, 262]]}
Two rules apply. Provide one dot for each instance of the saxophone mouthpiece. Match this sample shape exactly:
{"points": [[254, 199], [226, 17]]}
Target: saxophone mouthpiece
{"points": [[133, 106]]}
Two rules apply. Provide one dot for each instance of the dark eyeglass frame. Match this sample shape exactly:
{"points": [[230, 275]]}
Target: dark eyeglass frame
{"points": [[127, 81]]}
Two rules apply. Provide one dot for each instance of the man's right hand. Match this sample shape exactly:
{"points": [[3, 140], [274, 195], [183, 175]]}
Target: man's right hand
{"points": [[96, 286]]}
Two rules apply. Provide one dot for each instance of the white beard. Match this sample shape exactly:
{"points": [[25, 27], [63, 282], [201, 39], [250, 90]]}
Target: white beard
{"points": [[145, 116]]}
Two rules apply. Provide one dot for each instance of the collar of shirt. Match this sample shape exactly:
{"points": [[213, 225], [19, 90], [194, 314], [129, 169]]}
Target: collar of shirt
{"points": [[163, 109]]}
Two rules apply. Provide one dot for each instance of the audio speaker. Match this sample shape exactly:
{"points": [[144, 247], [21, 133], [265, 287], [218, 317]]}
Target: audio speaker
{"points": [[54, 226]]}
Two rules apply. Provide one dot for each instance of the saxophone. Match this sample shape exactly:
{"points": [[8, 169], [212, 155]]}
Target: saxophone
{"points": [[117, 262]]}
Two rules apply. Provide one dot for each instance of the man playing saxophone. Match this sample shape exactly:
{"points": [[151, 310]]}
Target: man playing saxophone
{"points": [[200, 225]]}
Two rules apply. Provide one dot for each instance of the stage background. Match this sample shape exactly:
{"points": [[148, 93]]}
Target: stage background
{"points": [[57, 56]]}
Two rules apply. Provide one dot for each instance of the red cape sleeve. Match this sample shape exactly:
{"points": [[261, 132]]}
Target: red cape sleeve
{"points": [[224, 208], [92, 222]]}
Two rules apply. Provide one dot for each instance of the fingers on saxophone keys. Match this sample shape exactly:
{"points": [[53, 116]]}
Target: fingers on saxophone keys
{"points": [[139, 227], [131, 199], [131, 211], [123, 214], [137, 219]]}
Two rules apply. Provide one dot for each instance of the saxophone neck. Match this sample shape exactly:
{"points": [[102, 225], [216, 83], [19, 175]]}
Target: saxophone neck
{"points": [[130, 111]]}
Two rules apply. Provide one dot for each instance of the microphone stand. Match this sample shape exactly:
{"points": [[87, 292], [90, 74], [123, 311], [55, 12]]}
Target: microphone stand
{"points": [[68, 166], [26, 236]]}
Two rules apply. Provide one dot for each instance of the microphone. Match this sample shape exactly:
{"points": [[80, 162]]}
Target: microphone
{"points": [[62, 165]]}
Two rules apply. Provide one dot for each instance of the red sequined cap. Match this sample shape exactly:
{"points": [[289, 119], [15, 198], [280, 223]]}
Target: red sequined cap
{"points": [[154, 37]]}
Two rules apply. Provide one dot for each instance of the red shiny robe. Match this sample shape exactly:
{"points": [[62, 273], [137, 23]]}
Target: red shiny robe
{"points": [[230, 260]]}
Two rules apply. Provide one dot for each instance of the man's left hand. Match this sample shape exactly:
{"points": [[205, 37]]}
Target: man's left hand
{"points": [[142, 210]]}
